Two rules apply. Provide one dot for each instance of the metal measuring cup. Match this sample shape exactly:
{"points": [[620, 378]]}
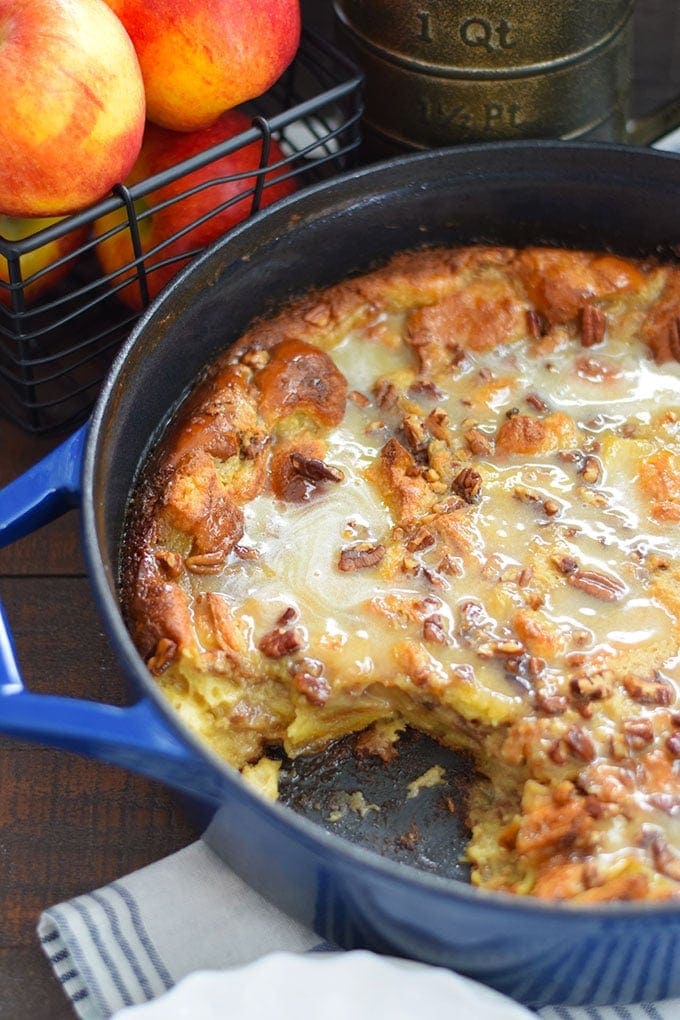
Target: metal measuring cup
{"points": [[440, 72]]}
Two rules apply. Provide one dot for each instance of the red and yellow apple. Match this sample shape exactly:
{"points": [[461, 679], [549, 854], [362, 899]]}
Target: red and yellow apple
{"points": [[39, 258], [200, 58], [163, 149], [72, 110]]}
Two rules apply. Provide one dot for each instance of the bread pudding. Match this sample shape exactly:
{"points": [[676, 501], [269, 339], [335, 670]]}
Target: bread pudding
{"points": [[443, 495]]}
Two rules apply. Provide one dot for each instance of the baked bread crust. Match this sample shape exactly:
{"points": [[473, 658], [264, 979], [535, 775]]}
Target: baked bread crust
{"points": [[446, 495]]}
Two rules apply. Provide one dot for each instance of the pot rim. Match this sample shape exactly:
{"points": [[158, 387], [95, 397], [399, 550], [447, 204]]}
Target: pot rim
{"points": [[345, 852]]}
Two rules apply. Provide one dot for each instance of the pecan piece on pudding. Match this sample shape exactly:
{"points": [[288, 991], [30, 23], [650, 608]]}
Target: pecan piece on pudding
{"points": [[164, 654], [357, 557], [468, 484], [654, 690], [309, 680], [638, 733], [581, 743], [279, 642], [593, 325], [314, 470], [598, 584], [433, 629]]}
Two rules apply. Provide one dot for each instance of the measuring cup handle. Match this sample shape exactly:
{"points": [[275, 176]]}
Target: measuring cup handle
{"points": [[652, 126]]}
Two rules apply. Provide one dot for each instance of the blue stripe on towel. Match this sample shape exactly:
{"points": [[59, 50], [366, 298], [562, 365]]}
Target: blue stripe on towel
{"points": [[114, 973], [44, 939], [84, 968], [142, 934], [123, 944]]}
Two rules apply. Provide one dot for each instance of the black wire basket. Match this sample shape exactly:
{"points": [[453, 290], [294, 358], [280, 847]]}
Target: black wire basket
{"points": [[54, 352]]}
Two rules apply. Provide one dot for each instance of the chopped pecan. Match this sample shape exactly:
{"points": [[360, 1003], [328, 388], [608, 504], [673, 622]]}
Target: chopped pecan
{"points": [[279, 642], [245, 552], [599, 585], [593, 325], [169, 563], [468, 484], [581, 743], [451, 565], [566, 565], [558, 752], [590, 472], [357, 557], [535, 665], [423, 539], [316, 689], [427, 388], [524, 576], [413, 430], [669, 803], [287, 616], [433, 629], [474, 622], [360, 399], [673, 744], [492, 648], [516, 671], [551, 507], [434, 579], [437, 423], [525, 495], [638, 733], [654, 690], [205, 563], [595, 687], [479, 444], [551, 704], [314, 470], [165, 652], [385, 393], [537, 325], [533, 400], [410, 566]]}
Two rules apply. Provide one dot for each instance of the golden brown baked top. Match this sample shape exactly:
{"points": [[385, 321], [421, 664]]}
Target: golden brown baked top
{"points": [[444, 495]]}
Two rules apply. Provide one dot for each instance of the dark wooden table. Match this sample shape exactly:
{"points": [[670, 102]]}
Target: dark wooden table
{"points": [[68, 825]]}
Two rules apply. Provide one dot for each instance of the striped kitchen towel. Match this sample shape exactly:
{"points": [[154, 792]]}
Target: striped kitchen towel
{"points": [[134, 940]]}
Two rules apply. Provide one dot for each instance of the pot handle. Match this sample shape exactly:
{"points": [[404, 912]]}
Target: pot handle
{"points": [[46, 491], [136, 737]]}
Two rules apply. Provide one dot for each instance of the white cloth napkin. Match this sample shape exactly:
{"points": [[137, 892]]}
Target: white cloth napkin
{"points": [[135, 939]]}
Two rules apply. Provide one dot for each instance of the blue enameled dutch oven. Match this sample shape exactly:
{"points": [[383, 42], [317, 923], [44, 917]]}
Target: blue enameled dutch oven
{"points": [[580, 195]]}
